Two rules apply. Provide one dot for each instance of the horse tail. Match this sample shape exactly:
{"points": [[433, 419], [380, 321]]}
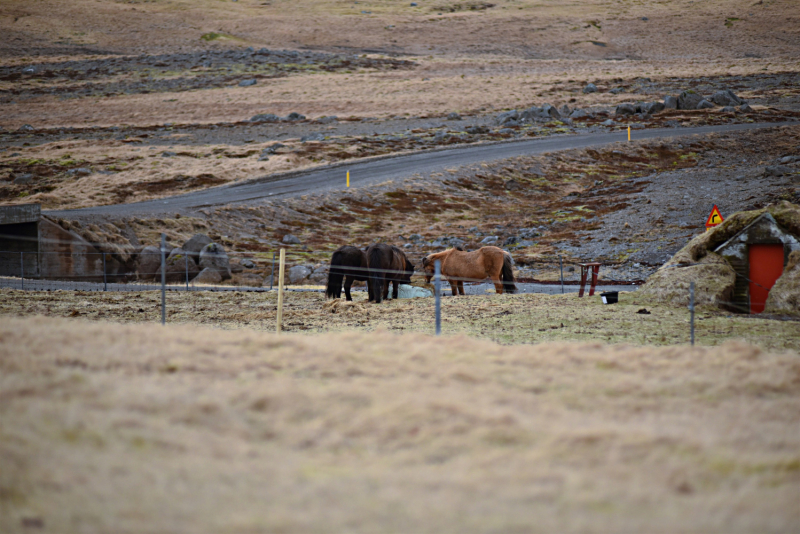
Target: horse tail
{"points": [[335, 277], [376, 275], [507, 275]]}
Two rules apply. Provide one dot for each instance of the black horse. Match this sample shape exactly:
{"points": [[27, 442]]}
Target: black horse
{"points": [[348, 264], [387, 264]]}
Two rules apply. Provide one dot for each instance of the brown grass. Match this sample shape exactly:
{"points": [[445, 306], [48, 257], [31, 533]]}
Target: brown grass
{"points": [[139, 428]]}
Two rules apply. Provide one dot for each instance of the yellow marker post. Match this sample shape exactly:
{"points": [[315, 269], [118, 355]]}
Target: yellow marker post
{"points": [[279, 323], [629, 133], [348, 178]]}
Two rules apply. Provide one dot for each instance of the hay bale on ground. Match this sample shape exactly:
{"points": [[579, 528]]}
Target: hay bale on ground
{"points": [[784, 297]]}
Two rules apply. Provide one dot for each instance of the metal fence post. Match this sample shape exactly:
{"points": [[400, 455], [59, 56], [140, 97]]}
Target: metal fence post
{"points": [[22, 270], [163, 279], [437, 286], [279, 318], [186, 257], [561, 266], [691, 310], [105, 284]]}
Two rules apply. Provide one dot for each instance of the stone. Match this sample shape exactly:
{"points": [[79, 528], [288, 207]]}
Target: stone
{"points": [[26, 128], [208, 276], [148, 264], [704, 104], [23, 179], [608, 122], [415, 237], [248, 263], [213, 256], [551, 111], [689, 99], [506, 116], [565, 111], [510, 240], [316, 136], [272, 149], [265, 117], [590, 88], [670, 102], [195, 244], [777, 170], [729, 109], [617, 90], [328, 119], [579, 114], [236, 267], [789, 159], [512, 185], [298, 273], [178, 263], [488, 240], [454, 116], [625, 109], [726, 98], [294, 116], [290, 239], [745, 108], [506, 131], [168, 154], [80, 171], [247, 83], [654, 107], [479, 129]]}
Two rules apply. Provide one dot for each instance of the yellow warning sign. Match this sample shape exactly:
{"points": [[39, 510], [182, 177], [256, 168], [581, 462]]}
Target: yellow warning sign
{"points": [[714, 218]]}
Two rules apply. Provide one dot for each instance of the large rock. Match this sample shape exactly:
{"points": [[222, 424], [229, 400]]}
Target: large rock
{"points": [[625, 109], [213, 257], [579, 114], [654, 107], [705, 104], [208, 276], [689, 99], [590, 88], [179, 264], [551, 111], [670, 102], [149, 264], [726, 98], [298, 273], [265, 117], [194, 245], [291, 239], [507, 116]]}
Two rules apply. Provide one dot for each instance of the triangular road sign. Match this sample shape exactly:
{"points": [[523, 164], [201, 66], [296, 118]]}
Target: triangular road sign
{"points": [[714, 218]]}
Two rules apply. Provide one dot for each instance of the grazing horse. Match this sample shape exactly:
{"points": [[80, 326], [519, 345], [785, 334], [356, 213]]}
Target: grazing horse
{"points": [[387, 264], [348, 263], [457, 265]]}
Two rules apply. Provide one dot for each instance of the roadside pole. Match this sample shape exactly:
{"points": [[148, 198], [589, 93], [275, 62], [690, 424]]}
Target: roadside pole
{"points": [[279, 323], [105, 285], [22, 270], [561, 267], [691, 311]]}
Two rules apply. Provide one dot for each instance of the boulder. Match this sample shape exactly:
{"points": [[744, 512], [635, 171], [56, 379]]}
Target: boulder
{"points": [[590, 88], [777, 170], [294, 116], [265, 117], [290, 239], [208, 276], [689, 99], [195, 244], [625, 109], [745, 108], [551, 111], [298, 273], [704, 104], [654, 107], [670, 102], [453, 116], [729, 109], [532, 113], [609, 122], [248, 263], [579, 114], [248, 83], [726, 98], [178, 263], [565, 111], [149, 263], [506, 116], [23, 179], [213, 256], [488, 240]]}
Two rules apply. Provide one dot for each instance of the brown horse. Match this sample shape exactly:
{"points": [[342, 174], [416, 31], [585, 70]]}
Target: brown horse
{"points": [[387, 264], [457, 265]]}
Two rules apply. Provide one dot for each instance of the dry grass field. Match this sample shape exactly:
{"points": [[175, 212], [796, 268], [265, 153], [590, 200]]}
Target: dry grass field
{"points": [[138, 428]]}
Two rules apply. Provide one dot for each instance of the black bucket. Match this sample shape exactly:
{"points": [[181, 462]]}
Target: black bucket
{"points": [[610, 297]]}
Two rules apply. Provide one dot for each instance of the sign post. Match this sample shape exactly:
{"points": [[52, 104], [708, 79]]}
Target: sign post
{"points": [[714, 218]]}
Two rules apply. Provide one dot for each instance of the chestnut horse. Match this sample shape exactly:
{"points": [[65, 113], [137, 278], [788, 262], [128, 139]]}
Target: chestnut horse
{"points": [[457, 265], [348, 264], [387, 264]]}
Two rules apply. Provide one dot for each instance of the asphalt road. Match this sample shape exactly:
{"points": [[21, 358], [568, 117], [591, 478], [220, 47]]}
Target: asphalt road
{"points": [[373, 171]]}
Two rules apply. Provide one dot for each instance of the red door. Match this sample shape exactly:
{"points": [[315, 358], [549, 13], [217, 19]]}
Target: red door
{"points": [[766, 266]]}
